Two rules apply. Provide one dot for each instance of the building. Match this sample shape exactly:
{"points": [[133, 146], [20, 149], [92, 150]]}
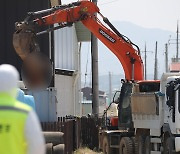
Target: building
{"points": [[87, 101], [67, 70]]}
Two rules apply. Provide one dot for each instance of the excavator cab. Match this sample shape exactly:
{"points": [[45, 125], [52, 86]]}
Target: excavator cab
{"points": [[123, 118], [124, 107]]}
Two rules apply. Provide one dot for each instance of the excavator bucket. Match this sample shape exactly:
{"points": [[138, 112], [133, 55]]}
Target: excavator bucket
{"points": [[36, 69], [24, 39]]}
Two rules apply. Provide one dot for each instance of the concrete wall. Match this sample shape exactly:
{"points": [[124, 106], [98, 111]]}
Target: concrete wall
{"points": [[67, 58]]}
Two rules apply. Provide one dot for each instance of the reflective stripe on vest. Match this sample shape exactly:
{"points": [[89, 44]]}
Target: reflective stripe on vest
{"points": [[12, 125], [13, 109]]}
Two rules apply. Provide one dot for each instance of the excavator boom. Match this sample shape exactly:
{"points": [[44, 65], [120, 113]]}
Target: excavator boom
{"points": [[85, 11]]}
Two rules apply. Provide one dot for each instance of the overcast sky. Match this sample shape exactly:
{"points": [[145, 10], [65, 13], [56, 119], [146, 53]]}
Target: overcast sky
{"points": [[146, 13]]}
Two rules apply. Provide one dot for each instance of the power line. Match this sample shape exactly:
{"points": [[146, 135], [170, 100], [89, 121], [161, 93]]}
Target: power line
{"points": [[87, 61], [100, 4]]}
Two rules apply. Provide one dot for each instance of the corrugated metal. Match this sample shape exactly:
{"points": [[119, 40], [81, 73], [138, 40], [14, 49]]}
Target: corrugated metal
{"points": [[66, 48], [10, 12]]}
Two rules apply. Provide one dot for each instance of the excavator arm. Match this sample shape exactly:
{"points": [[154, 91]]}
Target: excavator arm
{"points": [[84, 11]]}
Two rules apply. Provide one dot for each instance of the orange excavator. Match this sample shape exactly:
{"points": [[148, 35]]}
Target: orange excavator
{"points": [[116, 129], [84, 11]]}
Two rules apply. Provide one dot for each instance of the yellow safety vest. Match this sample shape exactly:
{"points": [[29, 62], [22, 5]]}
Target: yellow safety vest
{"points": [[13, 115]]}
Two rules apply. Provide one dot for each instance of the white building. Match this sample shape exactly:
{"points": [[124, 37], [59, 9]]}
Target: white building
{"points": [[67, 65]]}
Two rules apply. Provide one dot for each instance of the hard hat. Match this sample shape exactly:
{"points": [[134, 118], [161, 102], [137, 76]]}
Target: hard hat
{"points": [[9, 77]]}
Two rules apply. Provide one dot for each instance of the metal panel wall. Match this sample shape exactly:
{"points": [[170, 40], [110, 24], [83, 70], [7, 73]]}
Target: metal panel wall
{"points": [[10, 12], [66, 46]]}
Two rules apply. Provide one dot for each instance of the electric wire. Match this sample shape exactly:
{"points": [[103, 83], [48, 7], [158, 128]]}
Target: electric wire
{"points": [[107, 2], [87, 61]]}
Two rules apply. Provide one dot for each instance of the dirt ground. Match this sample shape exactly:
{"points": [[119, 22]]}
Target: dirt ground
{"points": [[86, 151]]}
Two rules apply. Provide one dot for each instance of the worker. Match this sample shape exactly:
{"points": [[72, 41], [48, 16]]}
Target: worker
{"points": [[20, 131]]}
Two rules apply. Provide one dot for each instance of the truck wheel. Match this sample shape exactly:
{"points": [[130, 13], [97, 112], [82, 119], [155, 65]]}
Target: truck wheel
{"points": [[135, 143], [106, 146], [126, 146], [147, 145], [168, 147], [141, 144]]}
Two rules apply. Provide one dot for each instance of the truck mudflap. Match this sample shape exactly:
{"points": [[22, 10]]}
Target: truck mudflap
{"points": [[177, 144]]}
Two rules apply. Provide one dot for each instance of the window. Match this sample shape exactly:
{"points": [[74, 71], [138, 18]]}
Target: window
{"points": [[149, 87]]}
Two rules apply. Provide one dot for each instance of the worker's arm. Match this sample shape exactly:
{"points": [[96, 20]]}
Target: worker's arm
{"points": [[34, 136]]}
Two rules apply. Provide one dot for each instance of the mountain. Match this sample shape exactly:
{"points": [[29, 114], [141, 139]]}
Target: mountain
{"points": [[138, 35]]}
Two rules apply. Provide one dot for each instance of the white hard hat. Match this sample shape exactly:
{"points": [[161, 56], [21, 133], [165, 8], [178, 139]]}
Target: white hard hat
{"points": [[9, 77]]}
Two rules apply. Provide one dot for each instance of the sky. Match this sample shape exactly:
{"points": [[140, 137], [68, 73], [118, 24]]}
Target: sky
{"points": [[161, 14]]}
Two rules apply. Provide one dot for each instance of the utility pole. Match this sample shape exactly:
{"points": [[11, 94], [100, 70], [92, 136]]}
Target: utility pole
{"points": [[95, 80], [166, 57], [177, 43], [176, 59], [155, 64], [145, 62], [110, 87]]}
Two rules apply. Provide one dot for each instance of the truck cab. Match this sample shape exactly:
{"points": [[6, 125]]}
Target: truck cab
{"points": [[156, 117], [171, 126]]}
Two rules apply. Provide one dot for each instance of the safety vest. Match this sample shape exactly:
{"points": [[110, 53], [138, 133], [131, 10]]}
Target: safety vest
{"points": [[13, 115]]}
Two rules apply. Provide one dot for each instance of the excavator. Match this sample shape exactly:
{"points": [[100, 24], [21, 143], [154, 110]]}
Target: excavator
{"points": [[137, 97]]}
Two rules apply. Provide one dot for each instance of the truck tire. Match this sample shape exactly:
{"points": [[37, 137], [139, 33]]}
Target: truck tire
{"points": [[168, 147], [141, 144], [126, 146], [106, 146], [147, 145], [135, 143]]}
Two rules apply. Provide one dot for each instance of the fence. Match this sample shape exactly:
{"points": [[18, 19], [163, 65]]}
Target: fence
{"points": [[89, 133], [77, 132]]}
